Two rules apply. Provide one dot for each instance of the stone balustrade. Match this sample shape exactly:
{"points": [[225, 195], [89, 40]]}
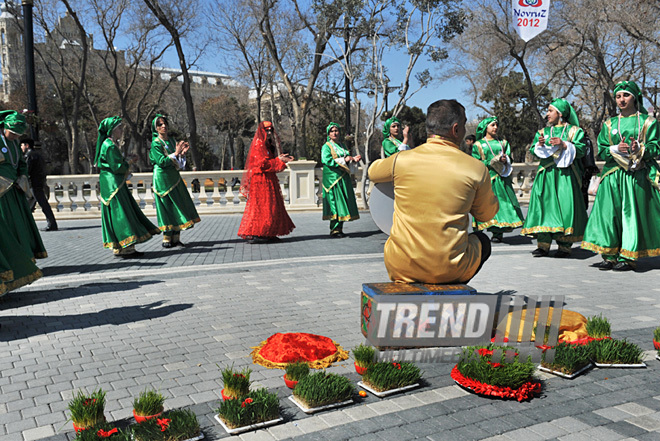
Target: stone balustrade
{"points": [[77, 196]]}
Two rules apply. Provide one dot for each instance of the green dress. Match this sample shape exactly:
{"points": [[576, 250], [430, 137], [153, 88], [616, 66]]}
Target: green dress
{"points": [[176, 210], [123, 222], [338, 196], [15, 213], [509, 216], [16, 266], [556, 203], [391, 146], [625, 219]]}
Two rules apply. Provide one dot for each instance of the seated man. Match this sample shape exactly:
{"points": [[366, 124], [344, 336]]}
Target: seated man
{"points": [[435, 187]]}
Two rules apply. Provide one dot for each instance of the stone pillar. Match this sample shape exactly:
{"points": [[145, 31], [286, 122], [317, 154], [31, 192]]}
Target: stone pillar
{"points": [[301, 185]]}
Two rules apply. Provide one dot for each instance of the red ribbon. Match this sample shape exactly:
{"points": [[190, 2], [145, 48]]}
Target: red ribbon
{"points": [[544, 348], [163, 423], [247, 401], [103, 434], [524, 392]]}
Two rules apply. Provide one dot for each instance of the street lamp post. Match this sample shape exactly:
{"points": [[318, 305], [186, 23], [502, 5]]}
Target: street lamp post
{"points": [[28, 43]]}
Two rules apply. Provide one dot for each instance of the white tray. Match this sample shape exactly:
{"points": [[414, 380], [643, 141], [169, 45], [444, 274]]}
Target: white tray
{"points": [[561, 374], [318, 409], [387, 392], [606, 365], [247, 428]]}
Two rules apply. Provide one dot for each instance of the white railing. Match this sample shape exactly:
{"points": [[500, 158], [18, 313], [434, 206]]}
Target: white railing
{"points": [[77, 196]]}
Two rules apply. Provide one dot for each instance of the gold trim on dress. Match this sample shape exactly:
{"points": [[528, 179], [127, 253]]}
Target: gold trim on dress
{"points": [[168, 190], [41, 255], [131, 240], [25, 280], [341, 218], [7, 275], [114, 193], [181, 227], [483, 225]]}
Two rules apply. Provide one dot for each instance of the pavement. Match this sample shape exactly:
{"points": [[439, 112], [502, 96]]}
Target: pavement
{"points": [[172, 319]]}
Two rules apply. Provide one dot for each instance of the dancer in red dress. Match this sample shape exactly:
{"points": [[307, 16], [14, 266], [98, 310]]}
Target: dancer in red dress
{"points": [[265, 217]]}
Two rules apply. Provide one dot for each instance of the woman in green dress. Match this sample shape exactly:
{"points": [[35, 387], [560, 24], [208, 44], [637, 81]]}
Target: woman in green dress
{"points": [[339, 203], [494, 153], [123, 222], [15, 213], [625, 220], [176, 210], [556, 205], [395, 138], [16, 266]]}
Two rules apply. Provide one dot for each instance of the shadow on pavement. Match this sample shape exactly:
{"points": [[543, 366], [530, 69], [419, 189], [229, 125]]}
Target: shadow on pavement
{"points": [[25, 326], [51, 294], [86, 269]]}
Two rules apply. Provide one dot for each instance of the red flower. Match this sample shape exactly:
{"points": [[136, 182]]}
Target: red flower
{"points": [[163, 423], [485, 352], [495, 365], [103, 434], [239, 375], [247, 401], [397, 365], [87, 402]]}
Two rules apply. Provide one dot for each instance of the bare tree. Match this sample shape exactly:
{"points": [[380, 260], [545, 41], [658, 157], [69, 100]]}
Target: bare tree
{"points": [[241, 39], [64, 56], [178, 18], [133, 71], [300, 69]]}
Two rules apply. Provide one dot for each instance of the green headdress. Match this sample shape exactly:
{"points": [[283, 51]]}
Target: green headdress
{"points": [[388, 124], [105, 130], [633, 89], [13, 121], [327, 130], [154, 132], [566, 110], [481, 128]]}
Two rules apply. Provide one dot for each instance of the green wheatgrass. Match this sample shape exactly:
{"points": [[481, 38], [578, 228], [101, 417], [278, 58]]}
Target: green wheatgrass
{"points": [[258, 406], [321, 388], [384, 376]]}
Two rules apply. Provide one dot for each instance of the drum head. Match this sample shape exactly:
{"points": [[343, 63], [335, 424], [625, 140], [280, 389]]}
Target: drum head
{"points": [[381, 205]]}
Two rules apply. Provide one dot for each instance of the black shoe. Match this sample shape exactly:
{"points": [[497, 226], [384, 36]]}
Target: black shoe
{"points": [[167, 244], [562, 254], [336, 234], [50, 228], [178, 243], [258, 240], [605, 265], [539, 252], [496, 239], [623, 266]]}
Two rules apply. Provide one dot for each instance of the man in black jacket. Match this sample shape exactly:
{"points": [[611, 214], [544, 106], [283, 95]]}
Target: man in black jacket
{"points": [[37, 174]]}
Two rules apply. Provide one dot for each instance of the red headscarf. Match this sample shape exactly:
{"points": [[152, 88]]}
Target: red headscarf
{"points": [[258, 153]]}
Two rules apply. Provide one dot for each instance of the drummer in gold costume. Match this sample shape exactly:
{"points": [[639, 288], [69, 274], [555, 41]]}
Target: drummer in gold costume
{"points": [[436, 186]]}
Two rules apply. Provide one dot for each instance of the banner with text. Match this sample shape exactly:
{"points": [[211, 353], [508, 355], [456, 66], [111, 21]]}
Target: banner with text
{"points": [[530, 17]]}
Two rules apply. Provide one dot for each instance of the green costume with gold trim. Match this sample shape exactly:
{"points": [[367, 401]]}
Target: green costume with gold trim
{"points": [[16, 266], [339, 204], [15, 213], [556, 204], [175, 209], [392, 145], [509, 216], [123, 222], [625, 220]]}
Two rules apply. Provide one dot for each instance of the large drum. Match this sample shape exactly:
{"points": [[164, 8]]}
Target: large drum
{"points": [[381, 205]]}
